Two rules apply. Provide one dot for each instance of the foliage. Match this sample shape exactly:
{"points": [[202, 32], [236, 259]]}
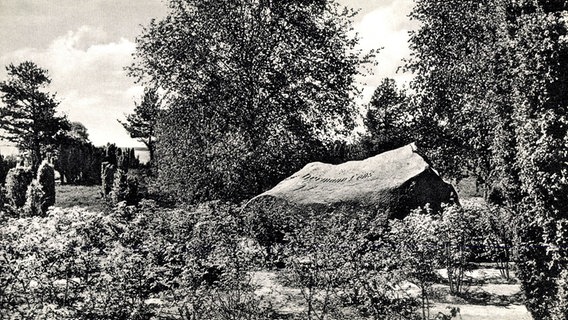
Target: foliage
{"points": [[456, 58], [46, 179], [387, 119], [498, 228], [418, 253], [456, 234], [35, 201], [17, 181], [561, 308], [250, 102], [542, 133], [111, 154], [6, 163], [28, 114], [124, 188], [134, 264], [340, 151], [77, 160], [142, 123], [108, 171], [344, 268], [490, 83], [126, 159]]}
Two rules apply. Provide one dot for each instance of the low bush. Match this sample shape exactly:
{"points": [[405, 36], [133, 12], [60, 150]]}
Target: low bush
{"points": [[36, 204], [46, 179], [17, 181], [82, 265], [6, 163]]}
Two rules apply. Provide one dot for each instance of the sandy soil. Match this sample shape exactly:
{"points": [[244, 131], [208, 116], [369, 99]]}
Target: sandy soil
{"points": [[288, 300]]}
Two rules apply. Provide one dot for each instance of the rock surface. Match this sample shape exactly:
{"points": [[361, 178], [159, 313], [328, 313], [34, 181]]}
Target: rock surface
{"points": [[393, 182]]}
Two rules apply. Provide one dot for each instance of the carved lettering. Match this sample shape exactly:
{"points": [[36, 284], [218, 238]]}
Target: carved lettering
{"points": [[363, 176]]}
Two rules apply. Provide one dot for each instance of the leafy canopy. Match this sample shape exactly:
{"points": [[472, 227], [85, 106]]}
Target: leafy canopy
{"points": [[27, 115], [142, 123], [253, 88]]}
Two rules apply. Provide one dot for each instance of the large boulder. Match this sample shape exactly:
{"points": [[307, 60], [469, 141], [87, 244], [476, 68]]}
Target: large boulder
{"points": [[392, 184]]}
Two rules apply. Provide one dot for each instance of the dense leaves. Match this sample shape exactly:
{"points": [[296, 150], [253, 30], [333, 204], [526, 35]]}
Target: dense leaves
{"points": [[133, 264], [27, 115], [490, 84], [388, 120], [142, 123], [76, 159], [251, 88]]}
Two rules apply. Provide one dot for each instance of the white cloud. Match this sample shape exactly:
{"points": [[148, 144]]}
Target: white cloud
{"points": [[88, 75], [87, 67], [386, 27]]}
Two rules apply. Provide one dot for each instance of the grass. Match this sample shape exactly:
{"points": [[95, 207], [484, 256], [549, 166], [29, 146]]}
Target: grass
{"points": [[89, 197]]}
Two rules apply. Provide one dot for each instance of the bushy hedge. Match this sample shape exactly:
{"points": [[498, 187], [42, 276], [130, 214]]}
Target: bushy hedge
{"points": [[134, 264], [148, 262], [6, 163], [79, 162], [46, 179], [35, 197], [17, 182]]}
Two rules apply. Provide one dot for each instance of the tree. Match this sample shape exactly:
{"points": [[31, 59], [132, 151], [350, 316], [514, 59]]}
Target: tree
{"points": [[28, 116], [455, 77], [142, 123], [386, 119], [542, 131], [78, 131], [252, 88], [500, 67], [77, 160]]}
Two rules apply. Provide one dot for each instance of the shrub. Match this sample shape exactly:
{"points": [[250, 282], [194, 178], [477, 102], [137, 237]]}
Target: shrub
{"points": [[152, 265], [132, 195], [345, 264], [35, 200], [46, 179], [456, 234], [108, 171], [119, 186], [6, 163], [561, 308], [417, 249], [17, 182], [497, 225]]}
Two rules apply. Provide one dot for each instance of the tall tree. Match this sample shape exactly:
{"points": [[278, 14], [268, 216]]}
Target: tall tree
{"points": [[452, 59], [142, 123], [27, 115], [541, 83], [386, 120], [77, 160], [501, 68], [253, 87]]}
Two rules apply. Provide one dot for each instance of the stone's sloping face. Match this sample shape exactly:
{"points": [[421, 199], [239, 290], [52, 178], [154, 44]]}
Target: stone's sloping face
{"points": [[396, 181]]}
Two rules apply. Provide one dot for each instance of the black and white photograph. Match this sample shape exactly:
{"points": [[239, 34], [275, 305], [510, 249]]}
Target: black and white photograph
{"points": [[284, 159]]}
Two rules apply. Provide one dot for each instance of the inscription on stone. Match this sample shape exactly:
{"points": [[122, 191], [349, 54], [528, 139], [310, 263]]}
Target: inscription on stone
{"points": [[355, 177]]}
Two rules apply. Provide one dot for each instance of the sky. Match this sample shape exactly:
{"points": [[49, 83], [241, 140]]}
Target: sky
{"points": [[85, 45]]}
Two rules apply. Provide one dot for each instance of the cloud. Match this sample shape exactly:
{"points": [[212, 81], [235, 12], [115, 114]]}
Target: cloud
{"points": [[386, 27], [87, 62], [87, 72]]}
